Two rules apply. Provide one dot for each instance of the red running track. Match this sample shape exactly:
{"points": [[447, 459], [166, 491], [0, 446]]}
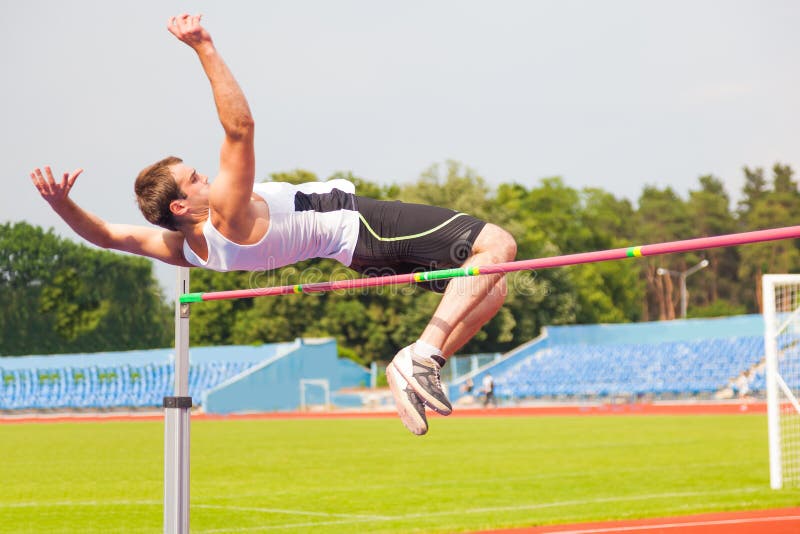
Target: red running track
{"points": [[781, 521]]}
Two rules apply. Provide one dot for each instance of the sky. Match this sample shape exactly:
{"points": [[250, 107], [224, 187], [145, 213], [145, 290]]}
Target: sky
{"points": [[614, 94]]}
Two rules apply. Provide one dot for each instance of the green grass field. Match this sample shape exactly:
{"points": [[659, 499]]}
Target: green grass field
{"points": [[370, 475]]}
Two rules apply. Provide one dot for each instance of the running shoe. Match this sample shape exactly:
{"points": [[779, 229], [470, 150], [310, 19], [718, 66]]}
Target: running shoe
{"points": [[410, 408], [422, 374]]}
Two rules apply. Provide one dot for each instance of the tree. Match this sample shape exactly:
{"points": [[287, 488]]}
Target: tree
{"points": [[62, 297], [769, 209], [608, 292], [709, 210], [755, 187]]}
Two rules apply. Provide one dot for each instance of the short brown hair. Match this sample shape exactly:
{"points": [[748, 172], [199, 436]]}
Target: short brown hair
{"points": [[155, 189]]}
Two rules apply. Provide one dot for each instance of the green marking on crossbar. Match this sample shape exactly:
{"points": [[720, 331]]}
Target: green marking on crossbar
{"points": [[634, 252], [188, 298], [445, 273]]}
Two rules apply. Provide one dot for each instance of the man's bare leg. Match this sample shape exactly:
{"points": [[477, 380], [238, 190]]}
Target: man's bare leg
{"points": [[471, 300], [475, 319], [467, 304]]}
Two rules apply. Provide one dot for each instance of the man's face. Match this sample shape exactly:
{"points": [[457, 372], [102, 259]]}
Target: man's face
{"points": [[193, 184]]}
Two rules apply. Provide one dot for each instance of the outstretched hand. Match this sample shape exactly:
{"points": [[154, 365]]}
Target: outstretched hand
{"points": [[187, 28], [54, 192]]}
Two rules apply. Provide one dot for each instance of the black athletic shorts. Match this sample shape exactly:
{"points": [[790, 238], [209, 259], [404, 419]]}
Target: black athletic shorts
{"points": [[400, 238]]}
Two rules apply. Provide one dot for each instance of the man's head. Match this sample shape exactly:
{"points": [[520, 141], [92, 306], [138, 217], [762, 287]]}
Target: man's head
{"points": [[169, 191]]}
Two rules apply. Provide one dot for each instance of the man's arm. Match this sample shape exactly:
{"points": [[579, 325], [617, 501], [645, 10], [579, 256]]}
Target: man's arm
{"points": [[144, 241], [230, 192]]}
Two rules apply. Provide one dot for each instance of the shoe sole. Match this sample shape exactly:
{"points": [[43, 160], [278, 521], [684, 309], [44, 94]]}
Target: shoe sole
{"points": [[424, 396], [408, 414]]}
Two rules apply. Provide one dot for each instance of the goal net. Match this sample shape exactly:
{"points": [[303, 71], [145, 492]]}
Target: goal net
{"points": [[781, 294], [315, 394]]}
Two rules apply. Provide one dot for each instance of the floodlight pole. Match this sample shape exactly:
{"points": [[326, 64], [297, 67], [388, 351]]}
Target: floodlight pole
{"points": [[682, 276], [177, 411]]}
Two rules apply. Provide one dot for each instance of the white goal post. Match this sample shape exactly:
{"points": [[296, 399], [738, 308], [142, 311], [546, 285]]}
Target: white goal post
{"points": [[781, 297], [306, 383]]}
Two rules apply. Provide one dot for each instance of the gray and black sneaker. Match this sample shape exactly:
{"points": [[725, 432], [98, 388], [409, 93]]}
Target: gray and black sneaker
{"points": [[409, 407], [422, 374]]}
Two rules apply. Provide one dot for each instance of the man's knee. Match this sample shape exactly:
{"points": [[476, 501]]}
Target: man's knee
{"points": [[509, 246], [497, 242]]}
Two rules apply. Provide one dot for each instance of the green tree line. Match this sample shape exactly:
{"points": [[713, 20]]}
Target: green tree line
{"points": [[66, 297], [63, 297]]}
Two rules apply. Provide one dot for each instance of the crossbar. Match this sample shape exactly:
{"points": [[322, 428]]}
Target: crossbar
{"points": [[657, 249]]}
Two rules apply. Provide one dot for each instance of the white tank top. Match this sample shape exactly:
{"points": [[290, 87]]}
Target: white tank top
{"points": [[312, 220]]}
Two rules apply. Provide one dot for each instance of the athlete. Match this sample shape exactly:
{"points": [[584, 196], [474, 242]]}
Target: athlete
{"points": [[232, 223]]}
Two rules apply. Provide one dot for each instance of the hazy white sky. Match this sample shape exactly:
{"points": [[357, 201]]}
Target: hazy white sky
{"points": [[612, 94]]}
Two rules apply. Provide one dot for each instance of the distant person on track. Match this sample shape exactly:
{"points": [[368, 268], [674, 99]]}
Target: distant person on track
{"points": [[235, 224], [488, 391], [743, 385], [467, 386]]}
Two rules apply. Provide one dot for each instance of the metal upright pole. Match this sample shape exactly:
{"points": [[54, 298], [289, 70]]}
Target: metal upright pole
{"points": [[176, 423], [684, 295]]}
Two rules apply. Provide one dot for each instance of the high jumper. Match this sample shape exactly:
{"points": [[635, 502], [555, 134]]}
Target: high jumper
{"points": [[231, 223]]}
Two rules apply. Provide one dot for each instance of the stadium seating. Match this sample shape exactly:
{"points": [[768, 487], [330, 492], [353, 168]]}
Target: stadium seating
{"points": [[133, 379], [692, 367], [107, 387]]}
